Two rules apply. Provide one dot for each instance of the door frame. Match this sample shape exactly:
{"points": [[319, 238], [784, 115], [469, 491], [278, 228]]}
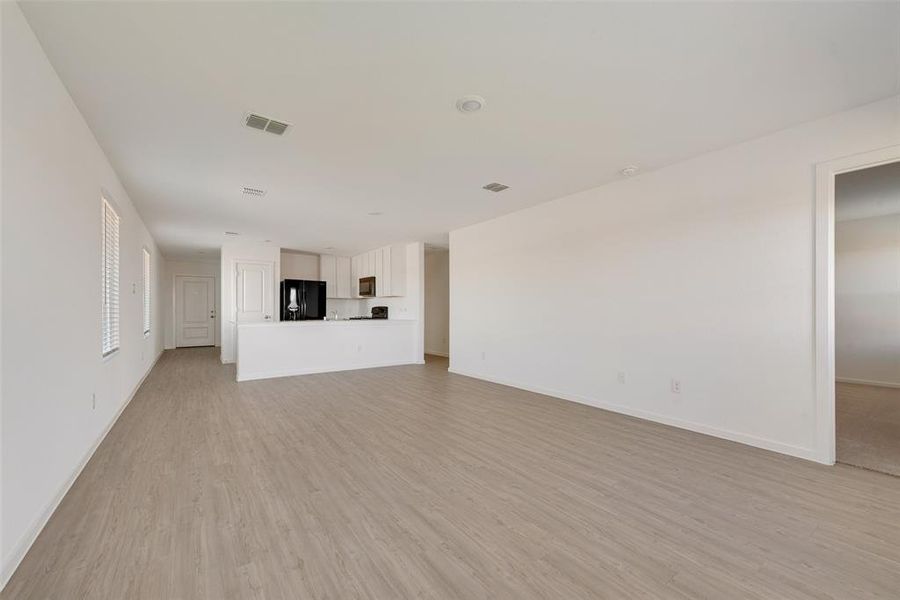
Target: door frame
{"points": [[823, 332], [218, 310]]}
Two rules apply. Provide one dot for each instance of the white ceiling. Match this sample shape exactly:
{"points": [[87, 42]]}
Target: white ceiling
{"points": [[873, 192], [574, 93]]}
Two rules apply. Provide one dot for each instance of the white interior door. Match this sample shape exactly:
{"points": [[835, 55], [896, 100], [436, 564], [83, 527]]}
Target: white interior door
{"points": [[195, 311], [253, 299]]}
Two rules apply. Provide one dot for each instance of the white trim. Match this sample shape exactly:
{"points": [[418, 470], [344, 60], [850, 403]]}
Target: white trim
{"points": [[734, 436], [824, 288], [334, 369], [146, 291], [887, 384], [12, 562]]}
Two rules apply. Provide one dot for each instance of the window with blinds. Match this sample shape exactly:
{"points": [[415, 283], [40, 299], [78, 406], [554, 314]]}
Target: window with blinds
{"points": [[110, 280], [146, 292]]}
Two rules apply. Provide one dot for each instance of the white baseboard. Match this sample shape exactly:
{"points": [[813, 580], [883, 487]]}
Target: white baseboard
{"points": [[11, 562], [734, 436], [333, 369], [887, 384]]}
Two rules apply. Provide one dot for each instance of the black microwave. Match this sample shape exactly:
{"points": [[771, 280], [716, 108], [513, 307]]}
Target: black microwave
{"points": [[366, 287]]}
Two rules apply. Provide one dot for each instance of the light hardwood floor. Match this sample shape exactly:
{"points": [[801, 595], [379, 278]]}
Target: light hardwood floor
{"points": [[868, 427], [407, 482]]}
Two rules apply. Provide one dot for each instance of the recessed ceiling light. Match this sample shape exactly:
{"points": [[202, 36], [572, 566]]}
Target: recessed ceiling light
{"points": [[470, 104], [495, 187], [375, 214], [629, 171], [232, 233], [329, 247]]}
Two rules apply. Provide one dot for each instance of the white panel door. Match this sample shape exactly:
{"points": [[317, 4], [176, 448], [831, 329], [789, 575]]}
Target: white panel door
{"points": [[253, 298], [195, 311]]}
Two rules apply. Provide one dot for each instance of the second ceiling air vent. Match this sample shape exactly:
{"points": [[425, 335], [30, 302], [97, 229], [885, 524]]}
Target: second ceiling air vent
{"points": [[255, 121], [495, 187], [249, 191]]}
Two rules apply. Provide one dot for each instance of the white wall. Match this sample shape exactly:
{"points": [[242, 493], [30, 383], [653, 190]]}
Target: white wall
{"points": [[171, 269], [867, 299], [299, 265], [437, 302], [53, 174], [700, 271], [233, 253]]}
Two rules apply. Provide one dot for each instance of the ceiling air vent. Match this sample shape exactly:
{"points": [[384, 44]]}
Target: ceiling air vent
{"points": [[249, 191], [495, 187], [262, 123]]}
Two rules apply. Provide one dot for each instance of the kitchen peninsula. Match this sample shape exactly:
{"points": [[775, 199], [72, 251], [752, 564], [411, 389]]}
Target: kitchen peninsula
{"points": [[300, 347]]}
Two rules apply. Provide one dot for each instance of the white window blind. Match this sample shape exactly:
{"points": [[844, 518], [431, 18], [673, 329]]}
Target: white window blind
{"points": [[110, 280], [146, 291]]}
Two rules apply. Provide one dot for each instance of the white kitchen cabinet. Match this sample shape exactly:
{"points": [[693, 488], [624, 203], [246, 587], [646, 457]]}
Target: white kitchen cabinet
{"points": [[397, 276], [328, 274], [387, 287], [390, 264], [377, 269], [335, 272], [387, 265], [355, 274], [342, 271], [365, 269]]}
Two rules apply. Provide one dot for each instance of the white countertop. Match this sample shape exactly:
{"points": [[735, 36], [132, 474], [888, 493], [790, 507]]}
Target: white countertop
{"points": [[337, 323]]}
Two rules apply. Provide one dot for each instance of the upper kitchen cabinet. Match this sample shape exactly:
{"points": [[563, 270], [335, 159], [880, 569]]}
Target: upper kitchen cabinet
{"points": [[390, 267], [387, 265], [342, 269], [335, 272]]}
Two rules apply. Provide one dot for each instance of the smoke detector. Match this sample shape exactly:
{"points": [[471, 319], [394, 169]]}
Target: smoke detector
{"points": [[256, 121], [629, 171], [249, 191], [470, 104], [495, 187]]}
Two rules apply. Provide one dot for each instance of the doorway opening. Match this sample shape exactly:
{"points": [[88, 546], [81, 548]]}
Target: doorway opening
{"points": [[857, 310], [437, 304], [867, 317]]}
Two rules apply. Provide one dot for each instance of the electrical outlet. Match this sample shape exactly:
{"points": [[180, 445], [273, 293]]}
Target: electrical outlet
{"points": [[676, 386], [482, 356], [621, 377], [359, 348], [93, 401]]}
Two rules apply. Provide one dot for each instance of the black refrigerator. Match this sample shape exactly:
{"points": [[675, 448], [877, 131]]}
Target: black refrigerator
{"points": [[302, 300]]}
